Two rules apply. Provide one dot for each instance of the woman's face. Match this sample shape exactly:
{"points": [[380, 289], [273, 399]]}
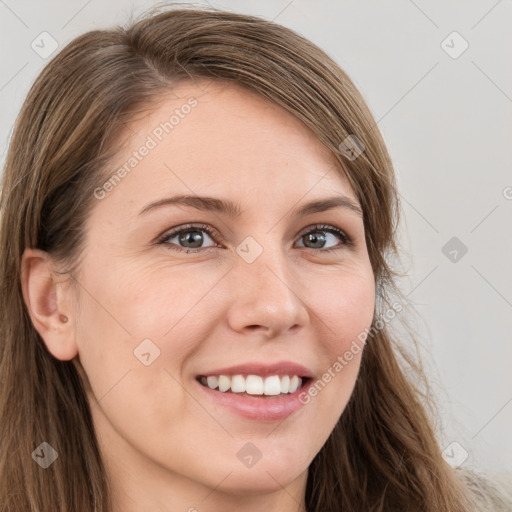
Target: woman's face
{"points": [[258, 297]]}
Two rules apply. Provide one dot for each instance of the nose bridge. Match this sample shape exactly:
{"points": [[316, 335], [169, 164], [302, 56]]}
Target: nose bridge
{"points": [[265, 293], [265, 263]]}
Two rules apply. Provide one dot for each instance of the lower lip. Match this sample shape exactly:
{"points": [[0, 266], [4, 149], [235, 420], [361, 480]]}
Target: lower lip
{"points": [[266, 408]]}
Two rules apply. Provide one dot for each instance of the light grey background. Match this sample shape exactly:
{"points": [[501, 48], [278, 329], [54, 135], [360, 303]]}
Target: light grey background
{"points": [[447, 122]]}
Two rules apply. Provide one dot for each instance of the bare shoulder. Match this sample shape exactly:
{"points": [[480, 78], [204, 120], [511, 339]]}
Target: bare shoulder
{"points": [[492, 492]]}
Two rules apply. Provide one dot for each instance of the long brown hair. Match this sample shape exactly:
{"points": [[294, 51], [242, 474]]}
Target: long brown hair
{"points": [[382, 454]]}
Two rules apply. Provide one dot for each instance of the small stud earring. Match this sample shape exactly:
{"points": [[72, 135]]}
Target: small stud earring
{"points": [[63, 318]]}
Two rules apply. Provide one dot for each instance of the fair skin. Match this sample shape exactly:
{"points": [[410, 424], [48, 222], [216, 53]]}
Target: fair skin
{"points": [[166, 445]]}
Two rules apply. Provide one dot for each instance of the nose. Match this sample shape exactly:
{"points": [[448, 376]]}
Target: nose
{"points": [[266, 296]]}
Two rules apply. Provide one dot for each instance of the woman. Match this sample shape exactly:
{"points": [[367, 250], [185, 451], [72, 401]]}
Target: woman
{"points": [[251, 370]]}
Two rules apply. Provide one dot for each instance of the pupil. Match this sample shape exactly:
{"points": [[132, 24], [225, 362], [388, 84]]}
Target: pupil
{"points": [[318, 240], [194, 237]]}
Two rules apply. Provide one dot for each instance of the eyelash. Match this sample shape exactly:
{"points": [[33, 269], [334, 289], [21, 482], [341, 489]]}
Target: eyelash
{"points": [[346, 241]]}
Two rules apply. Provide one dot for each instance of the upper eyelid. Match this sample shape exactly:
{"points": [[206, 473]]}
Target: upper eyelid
{"points": [[188, 227]]}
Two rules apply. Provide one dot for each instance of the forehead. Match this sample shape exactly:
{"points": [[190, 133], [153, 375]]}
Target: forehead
{"points": [[219, 137]]}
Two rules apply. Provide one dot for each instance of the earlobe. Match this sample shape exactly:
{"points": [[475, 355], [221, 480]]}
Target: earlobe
{"points": [[47, 304]]}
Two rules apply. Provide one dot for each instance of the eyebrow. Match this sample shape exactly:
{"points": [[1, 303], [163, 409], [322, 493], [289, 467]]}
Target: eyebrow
{"points": [[233, 209]]}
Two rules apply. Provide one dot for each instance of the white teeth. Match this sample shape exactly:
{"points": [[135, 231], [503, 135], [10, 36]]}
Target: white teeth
{"points": [[295, 382], [272, 385], [285, 384], [212, 382], [237, 384], [224, 383], [254, 384]]}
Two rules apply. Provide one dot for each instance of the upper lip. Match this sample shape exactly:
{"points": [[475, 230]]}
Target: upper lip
{"points": [[263, 369]]}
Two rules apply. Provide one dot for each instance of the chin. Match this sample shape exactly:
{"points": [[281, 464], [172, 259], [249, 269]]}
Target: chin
{"points": [[267, 475], [248, 482]]}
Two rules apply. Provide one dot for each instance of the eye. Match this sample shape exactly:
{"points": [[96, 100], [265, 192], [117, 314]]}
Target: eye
{"points": [[315, 235], [190, 235]]}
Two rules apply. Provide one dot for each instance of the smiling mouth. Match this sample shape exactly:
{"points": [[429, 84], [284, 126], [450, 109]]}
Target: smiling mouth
{"points": [[254, 386]]}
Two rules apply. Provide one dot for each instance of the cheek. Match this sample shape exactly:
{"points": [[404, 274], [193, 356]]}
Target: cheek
{"points": [[104, 346], [345, 310], [154, 300], [127, 313], [345, 306], [112, 352]]}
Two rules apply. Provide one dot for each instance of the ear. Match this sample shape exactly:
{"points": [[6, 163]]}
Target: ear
{"points": [[48, 304]]}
